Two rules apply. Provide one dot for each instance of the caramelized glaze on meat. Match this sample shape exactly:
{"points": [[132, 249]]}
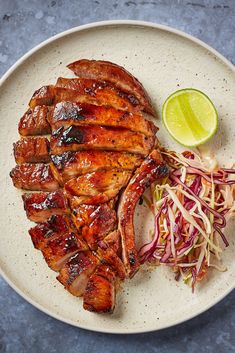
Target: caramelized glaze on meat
{"points": [[99, 295], [68, 113], [99, 137], [86, 214], [82, 90], [72, 164], [105, 220], [42, 205], [77, 138], [34, 122], [95, 188], [42, 96], [76, 272], [153, 168], [107, 71], [55, 226], [32, 150], [34, 177], [59, 249]]}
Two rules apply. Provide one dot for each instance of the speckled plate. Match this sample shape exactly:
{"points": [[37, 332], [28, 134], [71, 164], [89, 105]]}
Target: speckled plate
{"points": [[164, 60]]}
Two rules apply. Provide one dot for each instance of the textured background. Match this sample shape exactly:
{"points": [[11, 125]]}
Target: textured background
{"points": [[23, 24]]}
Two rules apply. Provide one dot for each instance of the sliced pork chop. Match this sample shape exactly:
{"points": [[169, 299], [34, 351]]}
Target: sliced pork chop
{"points": [[43, 96], [34, 177], [72, 164], [32, 150], [152, 169], [99, 295], [41, 206], [104, 222], [95, 188], [86, 214], [76, 272], [77, 138], [53, 227], [68, 113], [100, 93], [34, 122], [107, 71], [58, 240]]}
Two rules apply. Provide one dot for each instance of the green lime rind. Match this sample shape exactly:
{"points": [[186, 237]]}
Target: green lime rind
{"points": [[212, 109]]}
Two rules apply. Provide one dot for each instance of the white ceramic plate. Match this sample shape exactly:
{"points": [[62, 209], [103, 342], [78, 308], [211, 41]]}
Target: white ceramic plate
{"points": [[164, 60]]}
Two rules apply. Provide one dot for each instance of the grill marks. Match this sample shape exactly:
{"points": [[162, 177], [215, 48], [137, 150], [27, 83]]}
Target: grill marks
{"points": [[110, 72], [75, 138], [34, 121], [67, 113], [42, 205], [99, 137], [32, 150], [94, 92], [71, 164], [34, 177]]}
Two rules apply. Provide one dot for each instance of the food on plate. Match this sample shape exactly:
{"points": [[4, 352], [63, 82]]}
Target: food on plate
{"points": [[190, 117], [192, 207], [83, 182], [106, 71]]}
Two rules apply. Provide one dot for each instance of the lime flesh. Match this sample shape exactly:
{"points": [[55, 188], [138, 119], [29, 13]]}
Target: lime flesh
{"points": [[190, 117]]}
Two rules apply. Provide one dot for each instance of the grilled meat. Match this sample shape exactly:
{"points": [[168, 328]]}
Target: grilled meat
{"points": [[99, 295], [95, 183], [71, 164], [152, 169], [105, 221], [107, 71], [84, 215], [34, 177], [53, 227], [77, 138], [76, 272], [82, 90], [58, 240], [99, 137], [68, 113], [42, 205], [34, 122], [95, 188], [42, 96], [32, 150]]}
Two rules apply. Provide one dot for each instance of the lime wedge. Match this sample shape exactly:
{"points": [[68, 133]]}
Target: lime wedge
{"points": [[190, 117]]}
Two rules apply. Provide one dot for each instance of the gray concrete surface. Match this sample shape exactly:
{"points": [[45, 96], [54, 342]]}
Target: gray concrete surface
{"points": [[23, 24]]}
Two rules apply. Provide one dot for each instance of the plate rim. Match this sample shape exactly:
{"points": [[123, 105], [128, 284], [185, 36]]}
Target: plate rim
{"points": [[20, 61]]}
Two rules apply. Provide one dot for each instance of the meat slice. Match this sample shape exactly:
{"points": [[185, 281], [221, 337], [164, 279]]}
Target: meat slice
{"points": [[77, 138], [34, 177], [107, 71], [99, 295], [86, 214], [82, 90], [105, 220], [60, 249], [42, 96], [68, 113], [42, 205], [153, 168], [55, 226], [32, 150], [76, 272], [109, 257], [71, 164], [95, 188], [34, 122], [58, 240]]}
